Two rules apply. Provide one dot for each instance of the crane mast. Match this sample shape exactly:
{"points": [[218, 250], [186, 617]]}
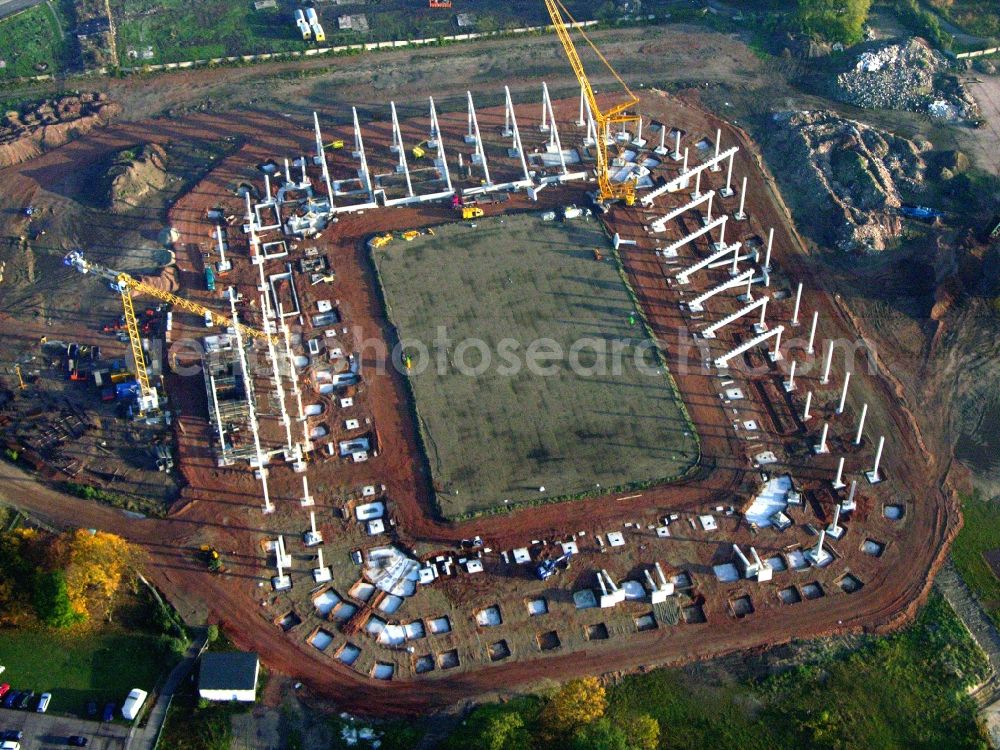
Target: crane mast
{"points": [[603, 118], [126, 285]]}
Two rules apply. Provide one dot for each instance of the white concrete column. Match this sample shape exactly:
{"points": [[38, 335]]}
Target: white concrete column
{"points": [[827, 363], [861, 424], [708, 216], [676, 155], [838, 481], [684, 168], [790, 383], [697, 186], [812, 333], [822, 446], [798, 300], [843, 394], [776, 352], [580, 120], [805, 411], [873, 475], [767, 253], [727, 191], [740, 215], [715, 165]]}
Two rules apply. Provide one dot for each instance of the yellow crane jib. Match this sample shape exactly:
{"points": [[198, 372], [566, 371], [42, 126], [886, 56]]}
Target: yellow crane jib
{"points": [[603, 118]]}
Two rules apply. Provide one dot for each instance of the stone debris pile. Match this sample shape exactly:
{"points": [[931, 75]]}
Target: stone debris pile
{"points": [[908, 76], [855, 172]]}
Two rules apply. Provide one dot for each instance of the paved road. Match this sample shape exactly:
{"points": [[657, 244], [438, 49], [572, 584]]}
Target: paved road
{"points": [[46, 731], [144, 738], [10, 7]]}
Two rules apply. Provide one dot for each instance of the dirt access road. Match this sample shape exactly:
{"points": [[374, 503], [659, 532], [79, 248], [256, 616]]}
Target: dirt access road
{"points": [[986, 140]]}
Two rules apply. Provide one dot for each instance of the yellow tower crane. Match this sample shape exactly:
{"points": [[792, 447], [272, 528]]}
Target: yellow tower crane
{"points": [[126, 285], [603, 118]]}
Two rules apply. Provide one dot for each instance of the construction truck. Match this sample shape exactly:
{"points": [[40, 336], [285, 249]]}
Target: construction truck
{"points": [[211, 557], [412, 234], [548, 568], [471, 212]]}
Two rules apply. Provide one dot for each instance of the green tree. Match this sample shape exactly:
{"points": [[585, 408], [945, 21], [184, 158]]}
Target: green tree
{"points": [[212, 633], [601, 735], [52, 603], [505, 731], [643, 732], [834, 20]]}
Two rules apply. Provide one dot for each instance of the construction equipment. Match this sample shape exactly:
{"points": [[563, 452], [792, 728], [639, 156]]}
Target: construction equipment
{"points": [[126, 285], [335, 145], [412, 234], [211, 557], [20, 378], [381, 240], [471, 212], [418, 151], [439, 3], [548, 568], [604, 119]]}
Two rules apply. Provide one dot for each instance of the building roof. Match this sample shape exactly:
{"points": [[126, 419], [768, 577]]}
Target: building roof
{"points": [[231, 670]]}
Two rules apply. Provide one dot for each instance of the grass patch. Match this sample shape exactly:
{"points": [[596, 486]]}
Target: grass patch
{"points": [[510, 293], [81, 666], [32, 44], [198, 725], [979, 535], [905, 690]]}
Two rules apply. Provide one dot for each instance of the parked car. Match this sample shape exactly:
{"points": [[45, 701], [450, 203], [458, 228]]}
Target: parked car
{"points": [[76, 741], [109, 712], [92, 708], [15, 735], [4, 689], [43, 703], [25, 700], [10, 745]]}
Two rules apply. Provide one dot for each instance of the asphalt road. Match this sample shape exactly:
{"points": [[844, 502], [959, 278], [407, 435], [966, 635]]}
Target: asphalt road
{"points": [[50, 731], [10, 7]]}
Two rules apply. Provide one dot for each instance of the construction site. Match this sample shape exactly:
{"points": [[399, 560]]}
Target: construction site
{"points": [[397, 533]]}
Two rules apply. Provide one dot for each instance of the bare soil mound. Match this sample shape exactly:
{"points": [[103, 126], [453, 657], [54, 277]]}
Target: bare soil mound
{"points": [[134, 174], [50, 123]]}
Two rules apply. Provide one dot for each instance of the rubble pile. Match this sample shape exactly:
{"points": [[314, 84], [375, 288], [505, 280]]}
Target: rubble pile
{"points": [[50, 123], [855, 172], [905, 77]]}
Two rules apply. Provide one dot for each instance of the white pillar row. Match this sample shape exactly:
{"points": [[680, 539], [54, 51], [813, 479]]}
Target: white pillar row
{"points": [[798, 300], [812, 333], [861, 425], [843, 394]]}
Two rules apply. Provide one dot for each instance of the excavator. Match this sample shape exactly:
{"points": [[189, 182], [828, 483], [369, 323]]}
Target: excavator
{"points": [[148, 400], [605, 118]]}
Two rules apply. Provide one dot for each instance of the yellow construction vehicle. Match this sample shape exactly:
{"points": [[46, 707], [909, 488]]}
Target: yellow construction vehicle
{"points": [[419, 152], [126, 286], [412, 234], [471, 212], [380, 240], [335, 145], [603, 118], [20, 378]]}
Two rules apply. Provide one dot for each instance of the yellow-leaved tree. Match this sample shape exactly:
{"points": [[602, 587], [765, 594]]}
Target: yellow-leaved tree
{"points": [[576, 703], [95, 564]]}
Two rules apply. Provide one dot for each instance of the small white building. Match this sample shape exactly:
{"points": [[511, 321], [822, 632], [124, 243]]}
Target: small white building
{"points": [[229, 676]]}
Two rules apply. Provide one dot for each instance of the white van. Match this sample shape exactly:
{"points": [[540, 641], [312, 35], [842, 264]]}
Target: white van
{"points": [[43, 703], [133, 704]]}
